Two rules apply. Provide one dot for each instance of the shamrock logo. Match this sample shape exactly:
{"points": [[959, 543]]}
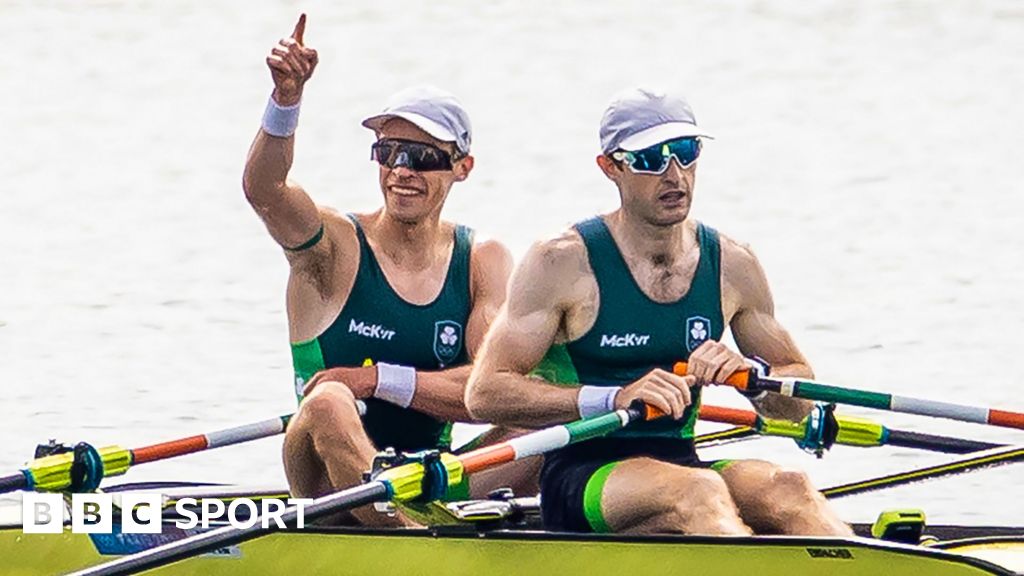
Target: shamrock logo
{"points": [[448, 336], [699, 332], [447, 341]]}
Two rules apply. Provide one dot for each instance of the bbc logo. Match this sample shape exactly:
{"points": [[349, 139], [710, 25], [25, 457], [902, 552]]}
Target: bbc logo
{"points": [[91, 513], [142, 513]]}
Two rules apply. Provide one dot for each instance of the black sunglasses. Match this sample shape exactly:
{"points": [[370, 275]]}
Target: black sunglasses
{"points": [[418, 156]]}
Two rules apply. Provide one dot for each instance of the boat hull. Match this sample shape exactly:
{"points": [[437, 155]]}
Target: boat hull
{"points": [[499, 553]]}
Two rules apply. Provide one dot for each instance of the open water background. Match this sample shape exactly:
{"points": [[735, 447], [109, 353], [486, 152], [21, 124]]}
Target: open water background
{"points": [[870, 153]]}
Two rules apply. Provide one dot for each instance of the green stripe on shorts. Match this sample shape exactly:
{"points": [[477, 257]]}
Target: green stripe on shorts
{"points": [[592, 498], [719, 465]]}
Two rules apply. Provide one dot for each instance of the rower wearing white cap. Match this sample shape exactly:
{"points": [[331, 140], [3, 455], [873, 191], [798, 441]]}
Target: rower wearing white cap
{"points": [[603, 312], [387, 307]]}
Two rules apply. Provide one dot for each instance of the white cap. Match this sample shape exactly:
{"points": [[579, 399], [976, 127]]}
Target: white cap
{"points": [[433, 110], [640, 117]]}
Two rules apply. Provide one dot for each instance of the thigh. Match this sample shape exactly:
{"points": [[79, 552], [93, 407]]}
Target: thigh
{"points": [[648, 496]]}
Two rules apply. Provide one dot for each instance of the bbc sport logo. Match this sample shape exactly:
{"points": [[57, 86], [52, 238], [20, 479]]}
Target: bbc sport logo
{"points": [[142, 513]]}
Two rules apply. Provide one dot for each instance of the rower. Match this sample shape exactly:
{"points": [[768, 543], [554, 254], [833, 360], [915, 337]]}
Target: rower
{"points": [[387, 307], [604, 310]]}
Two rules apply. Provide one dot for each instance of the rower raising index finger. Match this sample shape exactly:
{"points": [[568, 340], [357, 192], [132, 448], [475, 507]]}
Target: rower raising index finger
{"points": [[300, 29]]}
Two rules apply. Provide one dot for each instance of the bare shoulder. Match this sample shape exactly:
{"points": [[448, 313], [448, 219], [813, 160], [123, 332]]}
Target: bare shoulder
{"points": [[490, 253], [739, 262], [744, 284], [552, 269], [490, 265], [565, 252]]}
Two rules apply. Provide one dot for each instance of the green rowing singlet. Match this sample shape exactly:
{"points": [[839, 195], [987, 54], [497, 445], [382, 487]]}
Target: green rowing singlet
{"points": [[377, 325], [634, 334]]}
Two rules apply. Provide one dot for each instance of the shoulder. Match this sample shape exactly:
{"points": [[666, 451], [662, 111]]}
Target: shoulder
{"points": [[553, 267], [490, 264], [559, 256], [743, 278], [738, 259], [489, 252]]}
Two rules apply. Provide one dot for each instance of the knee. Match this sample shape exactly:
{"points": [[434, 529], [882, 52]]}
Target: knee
{"points": [[331, 405], [788, 491], [695, 492]]}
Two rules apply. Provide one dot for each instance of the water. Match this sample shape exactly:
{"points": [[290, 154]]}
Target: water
{"points": [[868, 152]]}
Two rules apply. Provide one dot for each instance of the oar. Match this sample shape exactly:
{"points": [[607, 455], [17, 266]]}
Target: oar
{"points": [[727, 436], [986, 459], [851, 431], [53, 473], [402, 483], [810, 390]]}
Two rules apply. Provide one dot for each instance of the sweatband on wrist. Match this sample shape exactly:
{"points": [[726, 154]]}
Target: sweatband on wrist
{"points": [[596, 400], [763, 368], [395, 384], [280, 121]]}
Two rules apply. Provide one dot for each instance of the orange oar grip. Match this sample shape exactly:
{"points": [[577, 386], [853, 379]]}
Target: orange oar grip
{"points": [[728, 415], [652, 413], [739, 380]]}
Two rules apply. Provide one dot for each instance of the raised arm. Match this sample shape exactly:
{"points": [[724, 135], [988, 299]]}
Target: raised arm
{"points": [[288, 212], [758, 333]]}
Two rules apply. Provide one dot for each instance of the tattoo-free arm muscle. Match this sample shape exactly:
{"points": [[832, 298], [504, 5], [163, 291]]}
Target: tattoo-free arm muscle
{"points": [[499, 389], [758, 332], [289, 213]]}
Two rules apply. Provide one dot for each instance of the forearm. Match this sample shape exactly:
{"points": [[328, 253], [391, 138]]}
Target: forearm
{"points": [[266, 169], [512, 399], [441, 394], [290, 215], [773, 405]]}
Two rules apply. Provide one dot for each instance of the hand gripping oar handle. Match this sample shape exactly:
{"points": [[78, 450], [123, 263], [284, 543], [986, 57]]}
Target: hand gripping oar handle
{"points": [[811, 390], [745, 380], [401, 483]]}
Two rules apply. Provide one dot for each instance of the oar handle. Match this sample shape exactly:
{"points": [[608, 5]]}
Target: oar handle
{"points": [[742, 380]]}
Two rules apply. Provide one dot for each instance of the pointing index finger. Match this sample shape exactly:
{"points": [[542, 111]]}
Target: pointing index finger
{"points": [[300, 29]]}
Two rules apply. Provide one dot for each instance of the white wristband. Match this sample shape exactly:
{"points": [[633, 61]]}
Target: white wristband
{"points": [[395, 384], [596, 400], [280, 121]]}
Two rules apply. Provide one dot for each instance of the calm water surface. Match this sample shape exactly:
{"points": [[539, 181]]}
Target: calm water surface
{"points": [[870, 152]]}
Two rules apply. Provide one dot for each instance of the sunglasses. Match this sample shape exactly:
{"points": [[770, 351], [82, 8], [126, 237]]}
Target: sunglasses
{"points": [[417, 156], [655, 159]]}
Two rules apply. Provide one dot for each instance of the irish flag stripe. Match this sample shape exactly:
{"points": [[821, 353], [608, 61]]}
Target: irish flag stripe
{"points": [[826, 393], [245, 433], [540, 442]]}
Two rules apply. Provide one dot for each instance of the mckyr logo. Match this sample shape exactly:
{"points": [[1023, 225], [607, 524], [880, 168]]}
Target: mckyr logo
{"points": [[624, 341]]}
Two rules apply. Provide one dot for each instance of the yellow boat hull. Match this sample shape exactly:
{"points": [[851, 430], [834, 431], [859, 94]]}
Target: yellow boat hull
{"points": [[501, 553]]}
